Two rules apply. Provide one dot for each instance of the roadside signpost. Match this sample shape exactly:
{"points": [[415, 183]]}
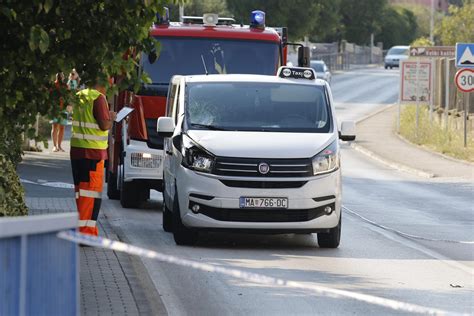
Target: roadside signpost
{"points": [[432, 51], [415, 85], [465, 77], [415, 81], [465, 80], [465, 55]]}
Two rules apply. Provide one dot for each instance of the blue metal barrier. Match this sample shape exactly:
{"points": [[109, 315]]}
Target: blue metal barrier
{"points": [[39, 273]]}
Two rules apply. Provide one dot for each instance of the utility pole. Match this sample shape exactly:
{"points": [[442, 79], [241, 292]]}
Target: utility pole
{"points": [[181, 12], [432, 21]]}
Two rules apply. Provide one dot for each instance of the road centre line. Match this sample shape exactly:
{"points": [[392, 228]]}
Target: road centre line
{"points": [[105, 243]]}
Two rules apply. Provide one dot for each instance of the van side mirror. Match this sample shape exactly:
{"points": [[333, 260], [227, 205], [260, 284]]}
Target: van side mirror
{"points": [[304, 56], [348, 131], [165, 126]]}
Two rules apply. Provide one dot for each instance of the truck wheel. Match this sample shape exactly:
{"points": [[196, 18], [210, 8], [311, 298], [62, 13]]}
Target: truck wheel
{"points": [[182, 235], [331, 239], [130, 196], [112, 192], [167, 219]]}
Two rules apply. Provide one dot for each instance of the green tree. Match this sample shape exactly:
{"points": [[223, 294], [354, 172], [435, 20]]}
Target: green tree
{"points": [[361, 18], [300, 16], [458, 26], [398, 27], [327, 27], [422, 41], [42, 37]]}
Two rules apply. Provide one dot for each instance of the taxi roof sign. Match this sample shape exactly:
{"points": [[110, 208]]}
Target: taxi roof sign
{"points": [[296, 73]]}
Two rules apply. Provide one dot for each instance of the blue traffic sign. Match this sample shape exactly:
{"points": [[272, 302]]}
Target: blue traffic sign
{"points": [[465, 55]]}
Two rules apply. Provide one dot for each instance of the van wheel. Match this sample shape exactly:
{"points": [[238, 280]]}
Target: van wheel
{"points": [[112, 192], [167, 219], [182, 235], [331, 239], [130, 196]]}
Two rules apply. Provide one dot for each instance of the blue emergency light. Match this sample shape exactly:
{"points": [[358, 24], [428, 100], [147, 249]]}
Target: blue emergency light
{"points": [[165, 18], [257, 19]]}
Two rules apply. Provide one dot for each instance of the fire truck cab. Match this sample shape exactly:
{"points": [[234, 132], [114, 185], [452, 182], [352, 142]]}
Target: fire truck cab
{"points": [[198, 45]]}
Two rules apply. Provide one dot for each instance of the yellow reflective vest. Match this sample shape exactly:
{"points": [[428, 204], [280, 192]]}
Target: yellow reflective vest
{"points": [[86, 133]]}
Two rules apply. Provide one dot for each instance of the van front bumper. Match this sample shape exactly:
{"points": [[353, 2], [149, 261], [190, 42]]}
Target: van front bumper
{"points": [[219, 203]]}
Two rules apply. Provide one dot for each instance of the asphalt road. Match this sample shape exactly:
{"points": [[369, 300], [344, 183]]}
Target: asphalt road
{"points": [[372, 258]]}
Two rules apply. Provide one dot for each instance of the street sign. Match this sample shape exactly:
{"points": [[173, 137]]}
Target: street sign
{"points": [[465, 80], [432, 51], [410, 87], [464, 55]]}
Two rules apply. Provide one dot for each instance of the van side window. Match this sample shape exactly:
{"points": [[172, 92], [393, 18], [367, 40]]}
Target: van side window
{"points": [[175, 110], [171, 100]]}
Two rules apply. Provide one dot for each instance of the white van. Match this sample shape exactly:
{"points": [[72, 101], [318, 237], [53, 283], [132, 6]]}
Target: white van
{"points": [[252, 153]]}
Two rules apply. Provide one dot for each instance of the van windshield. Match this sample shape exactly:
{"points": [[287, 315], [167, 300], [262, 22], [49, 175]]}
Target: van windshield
{"points": [[257, 106], [187, 56]]}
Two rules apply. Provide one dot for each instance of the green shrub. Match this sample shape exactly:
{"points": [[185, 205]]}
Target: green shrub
{"points": [[11, 192]]}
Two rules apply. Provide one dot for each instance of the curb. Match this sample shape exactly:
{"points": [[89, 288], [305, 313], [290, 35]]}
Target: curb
{"points": [[375, 113], [389, 163]]}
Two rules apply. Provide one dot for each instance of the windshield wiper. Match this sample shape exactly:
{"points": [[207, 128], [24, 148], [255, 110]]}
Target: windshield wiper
{"points": [[210, 127]]}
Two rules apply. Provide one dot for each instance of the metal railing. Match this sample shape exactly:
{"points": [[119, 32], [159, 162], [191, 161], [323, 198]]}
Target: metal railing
{"points": [[39, 273], [345, 61]]}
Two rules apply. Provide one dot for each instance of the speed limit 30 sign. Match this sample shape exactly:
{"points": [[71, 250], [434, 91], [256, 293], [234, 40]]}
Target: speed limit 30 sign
{"points": [[465, 80]]}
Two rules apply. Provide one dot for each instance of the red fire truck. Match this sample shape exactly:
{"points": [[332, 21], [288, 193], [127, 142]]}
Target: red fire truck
{"points": [[197, 45]]}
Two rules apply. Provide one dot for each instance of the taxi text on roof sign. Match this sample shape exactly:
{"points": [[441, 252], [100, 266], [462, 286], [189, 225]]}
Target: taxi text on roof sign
{"points": [[296, 73]]}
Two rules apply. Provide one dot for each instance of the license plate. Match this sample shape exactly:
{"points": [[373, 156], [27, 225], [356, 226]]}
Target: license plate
{"points": [[263, 202]]}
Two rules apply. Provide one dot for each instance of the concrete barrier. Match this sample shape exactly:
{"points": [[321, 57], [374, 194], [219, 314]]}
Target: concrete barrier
{"points": [[39, 273]]}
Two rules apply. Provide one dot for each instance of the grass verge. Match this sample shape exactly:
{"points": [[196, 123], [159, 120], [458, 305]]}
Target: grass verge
{"points": [[434, 136]]}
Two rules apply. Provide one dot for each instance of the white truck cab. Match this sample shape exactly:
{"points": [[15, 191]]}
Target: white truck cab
{"points": [[252, 153]]}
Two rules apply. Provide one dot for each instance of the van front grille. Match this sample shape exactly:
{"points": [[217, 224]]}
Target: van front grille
{"points": [[249, 167]]}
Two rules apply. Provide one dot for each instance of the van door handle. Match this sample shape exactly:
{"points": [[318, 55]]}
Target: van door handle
{"points": [[169, 152]]}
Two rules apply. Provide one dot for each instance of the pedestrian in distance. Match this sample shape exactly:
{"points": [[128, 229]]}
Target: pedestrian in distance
{"points": [[59, 122], [74, 80], [91, 122]]}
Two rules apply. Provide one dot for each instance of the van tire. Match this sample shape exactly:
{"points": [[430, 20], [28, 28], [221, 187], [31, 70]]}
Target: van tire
{"points": [[167, 219], [130, 195], [331, 239], [182, 235], [112, 192]]}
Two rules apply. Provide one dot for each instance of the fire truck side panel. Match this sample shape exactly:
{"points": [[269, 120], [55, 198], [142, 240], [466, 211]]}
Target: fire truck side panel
{"points": [[154, 107]]}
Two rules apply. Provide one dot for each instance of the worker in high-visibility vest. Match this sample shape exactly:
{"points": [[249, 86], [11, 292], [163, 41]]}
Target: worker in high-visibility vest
{"points": [[91, 122]]}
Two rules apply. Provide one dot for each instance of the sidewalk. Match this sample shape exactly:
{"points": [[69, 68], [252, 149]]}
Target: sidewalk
{"points": [[109, 281], [377, 139]]}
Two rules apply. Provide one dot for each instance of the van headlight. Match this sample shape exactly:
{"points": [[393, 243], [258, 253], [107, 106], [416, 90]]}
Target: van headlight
{"points": [[195, 157], [327, 160]]}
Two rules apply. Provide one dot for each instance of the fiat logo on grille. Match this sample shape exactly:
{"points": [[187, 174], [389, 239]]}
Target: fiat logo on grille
{"points": [[263, 168]]}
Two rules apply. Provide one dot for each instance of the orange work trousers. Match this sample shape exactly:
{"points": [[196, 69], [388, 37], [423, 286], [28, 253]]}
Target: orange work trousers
{"points": [[88, 177]]}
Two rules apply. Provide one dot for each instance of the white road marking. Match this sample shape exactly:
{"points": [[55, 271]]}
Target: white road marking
{"points": [[61, 185]]}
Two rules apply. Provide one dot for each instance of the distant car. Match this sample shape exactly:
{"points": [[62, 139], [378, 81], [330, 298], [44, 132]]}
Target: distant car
{"points": [[395, 55], [322, 71]]}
